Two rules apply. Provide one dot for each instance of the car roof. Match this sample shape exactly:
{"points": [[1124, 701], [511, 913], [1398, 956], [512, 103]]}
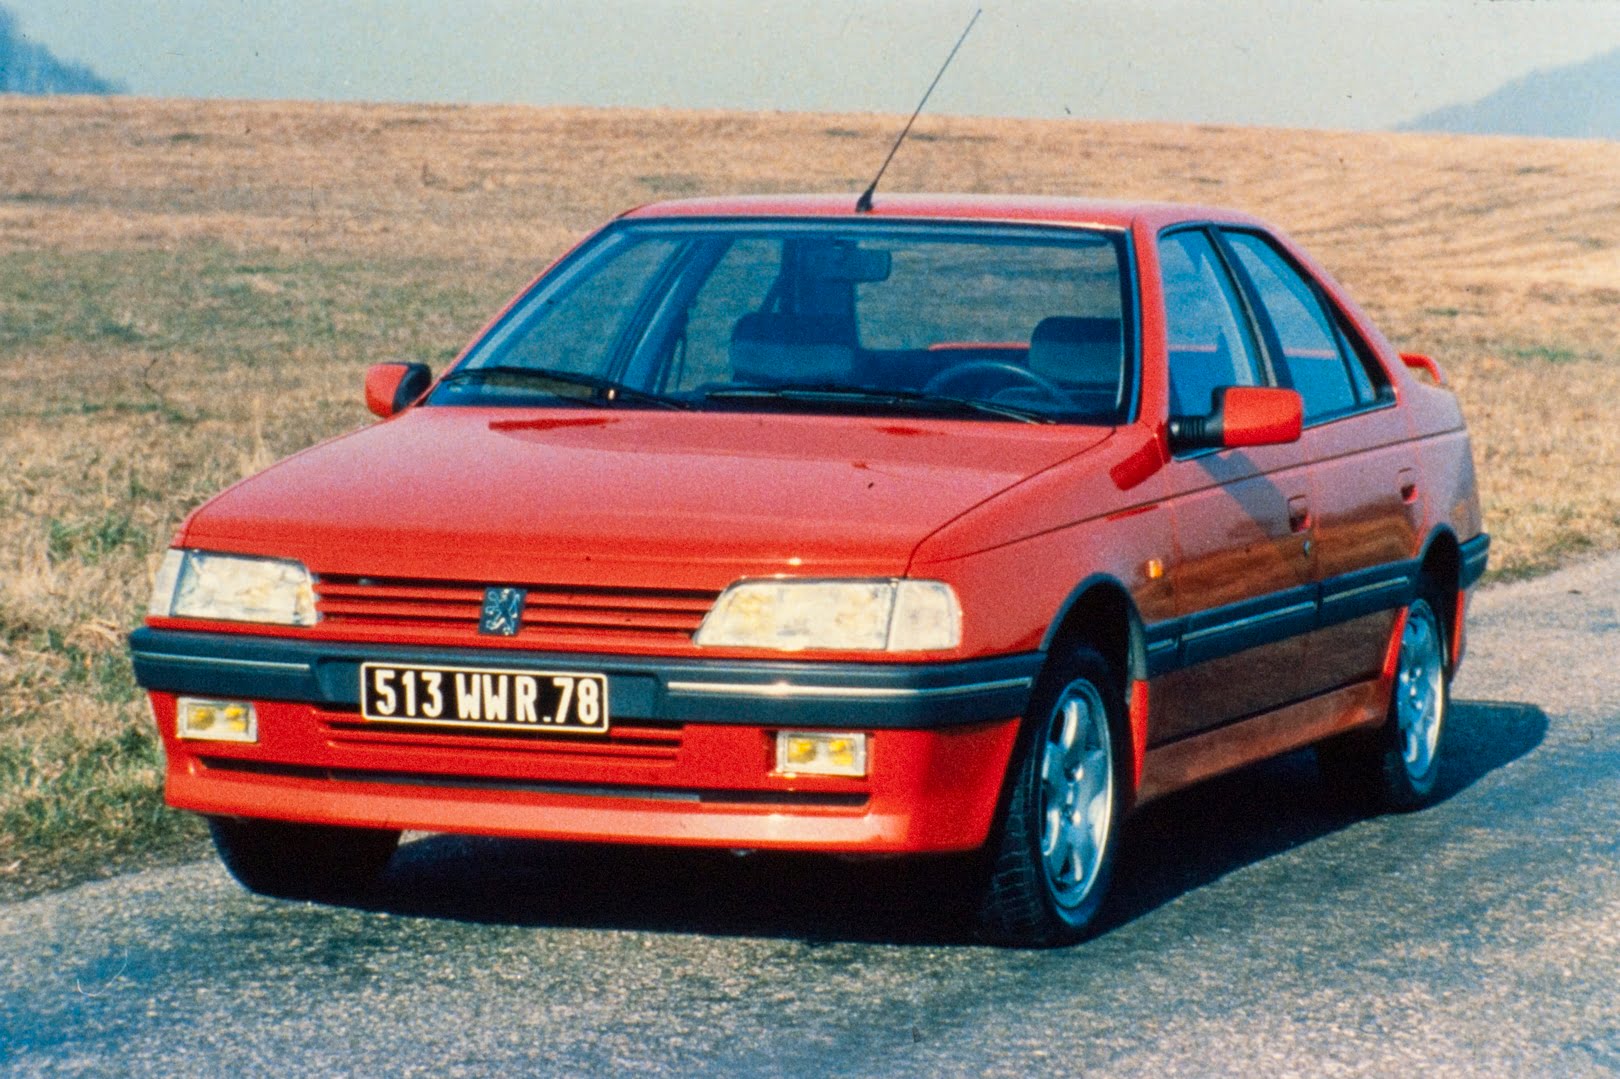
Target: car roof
{"points": [[1043, 209]]}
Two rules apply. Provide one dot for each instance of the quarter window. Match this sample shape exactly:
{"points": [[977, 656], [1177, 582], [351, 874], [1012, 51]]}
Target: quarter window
{"points": [[1361, 369], [1210, 342]]}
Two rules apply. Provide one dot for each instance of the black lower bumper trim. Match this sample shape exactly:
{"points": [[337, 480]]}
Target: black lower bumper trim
{"points": [[834, 799], [769, 693], [1475, 555]]}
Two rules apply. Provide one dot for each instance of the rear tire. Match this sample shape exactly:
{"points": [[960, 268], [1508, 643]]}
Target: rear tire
{"points": [[1053, 856], [1396, 766], [302, 861]]}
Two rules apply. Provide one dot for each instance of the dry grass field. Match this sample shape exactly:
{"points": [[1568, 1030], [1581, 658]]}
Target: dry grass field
{"points": [[190, 290]]}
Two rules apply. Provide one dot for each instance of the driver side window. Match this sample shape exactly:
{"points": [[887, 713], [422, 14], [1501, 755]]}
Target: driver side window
{"points": [[1210, 342]]}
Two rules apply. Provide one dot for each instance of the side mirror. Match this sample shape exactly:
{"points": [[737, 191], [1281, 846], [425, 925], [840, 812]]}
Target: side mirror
{"points": [[392, 386], [1242, 416]]}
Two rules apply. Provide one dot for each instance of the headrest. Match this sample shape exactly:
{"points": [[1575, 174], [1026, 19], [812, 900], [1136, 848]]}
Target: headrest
{"points": [[1073, 351], [767, 348]]}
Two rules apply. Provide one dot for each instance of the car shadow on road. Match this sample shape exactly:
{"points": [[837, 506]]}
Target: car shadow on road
{"points": [[1198, 835], [1172, 846], [791, 896]]}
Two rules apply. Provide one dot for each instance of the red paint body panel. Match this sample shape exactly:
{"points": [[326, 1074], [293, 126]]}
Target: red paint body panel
{"points": [[1204, 756], [702, 496]]}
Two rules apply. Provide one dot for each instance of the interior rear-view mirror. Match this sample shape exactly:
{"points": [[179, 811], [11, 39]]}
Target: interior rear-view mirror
{"points": [[845, 262]]}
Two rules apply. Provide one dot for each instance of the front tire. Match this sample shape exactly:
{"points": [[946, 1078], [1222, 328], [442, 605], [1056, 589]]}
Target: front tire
{"points": [[1396, 767], [302, 861], [1053, 857]]}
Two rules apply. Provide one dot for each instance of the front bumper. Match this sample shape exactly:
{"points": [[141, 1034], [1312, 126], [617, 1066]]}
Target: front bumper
{"points": [[688, 761], [861, 696]]}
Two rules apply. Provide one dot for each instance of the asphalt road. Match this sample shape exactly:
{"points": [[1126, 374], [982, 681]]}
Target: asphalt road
{"points": [[1255, 930]]}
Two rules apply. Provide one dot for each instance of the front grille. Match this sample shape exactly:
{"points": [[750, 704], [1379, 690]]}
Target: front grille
{"points": [[551, 611]]}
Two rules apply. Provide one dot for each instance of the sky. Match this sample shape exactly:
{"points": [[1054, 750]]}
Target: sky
{"points": [[1346, 64]]}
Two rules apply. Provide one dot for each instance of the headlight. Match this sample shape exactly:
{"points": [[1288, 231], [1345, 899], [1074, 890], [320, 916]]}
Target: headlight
{"points": [[233, 588], [789, 615]]}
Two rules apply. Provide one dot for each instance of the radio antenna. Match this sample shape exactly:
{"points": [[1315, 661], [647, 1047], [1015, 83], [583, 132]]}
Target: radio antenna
{"points": [[863, 205]]}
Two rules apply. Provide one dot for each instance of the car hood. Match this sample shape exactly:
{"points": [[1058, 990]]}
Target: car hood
{"points": [[682, 499]]}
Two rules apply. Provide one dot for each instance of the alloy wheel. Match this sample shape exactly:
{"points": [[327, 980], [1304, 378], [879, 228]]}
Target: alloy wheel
{"points": [[1077, 794], [1420, 690]]}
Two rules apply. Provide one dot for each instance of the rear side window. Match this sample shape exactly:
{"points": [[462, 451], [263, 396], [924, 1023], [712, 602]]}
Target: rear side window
{"points": [[1210, 342], [1310, 354]]}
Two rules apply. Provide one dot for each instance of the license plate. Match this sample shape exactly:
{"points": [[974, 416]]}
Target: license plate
{"points": [[483, 697]]}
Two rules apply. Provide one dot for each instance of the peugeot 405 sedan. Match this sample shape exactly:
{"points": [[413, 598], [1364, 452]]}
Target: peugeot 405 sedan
{"points": [[964, 524]]}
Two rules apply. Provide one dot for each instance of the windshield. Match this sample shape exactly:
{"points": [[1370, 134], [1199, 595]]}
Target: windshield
{"points": [[1005, 323]]}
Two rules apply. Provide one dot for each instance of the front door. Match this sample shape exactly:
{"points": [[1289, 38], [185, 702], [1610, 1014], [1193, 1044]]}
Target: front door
{"points": [[1242, 571]]}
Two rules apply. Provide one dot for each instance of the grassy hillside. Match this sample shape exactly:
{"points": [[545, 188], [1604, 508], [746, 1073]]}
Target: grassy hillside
{"points": [[190, 290]]}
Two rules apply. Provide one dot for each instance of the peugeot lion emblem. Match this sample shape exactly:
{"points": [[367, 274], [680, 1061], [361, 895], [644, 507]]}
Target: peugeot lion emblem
{"points": [[503, 611]]}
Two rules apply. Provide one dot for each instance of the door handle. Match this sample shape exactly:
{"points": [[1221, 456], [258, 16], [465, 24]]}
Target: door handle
{"points": [[1408, 483], [1299, 514]]}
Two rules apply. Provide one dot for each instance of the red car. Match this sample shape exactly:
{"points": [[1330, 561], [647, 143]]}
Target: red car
{"points": [[959, 525]]}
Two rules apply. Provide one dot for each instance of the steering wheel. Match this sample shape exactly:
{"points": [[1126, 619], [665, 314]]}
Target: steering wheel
{"points": [[964, 372]]}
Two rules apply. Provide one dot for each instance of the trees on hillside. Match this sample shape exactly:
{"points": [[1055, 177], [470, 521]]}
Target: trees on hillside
{"points": [[27, 68]]}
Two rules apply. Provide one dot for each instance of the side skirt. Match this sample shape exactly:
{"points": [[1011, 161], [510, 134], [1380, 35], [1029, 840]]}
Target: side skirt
{"points": [[1202, 756]]}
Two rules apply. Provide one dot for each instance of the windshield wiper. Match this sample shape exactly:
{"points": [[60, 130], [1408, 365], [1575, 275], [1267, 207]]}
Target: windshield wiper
{"points": [[918, 401], [606, 389]]}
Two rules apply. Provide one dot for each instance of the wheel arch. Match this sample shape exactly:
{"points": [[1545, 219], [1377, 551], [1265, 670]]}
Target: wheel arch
{"points": [[1440, 566], [1100, 613], [1097, 634]]}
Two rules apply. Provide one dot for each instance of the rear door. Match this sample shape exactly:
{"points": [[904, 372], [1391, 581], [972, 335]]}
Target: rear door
{"points": [[1363, 476]]}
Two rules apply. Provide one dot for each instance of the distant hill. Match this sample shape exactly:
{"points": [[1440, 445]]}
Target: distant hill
{"points": [[27, 68], [1581, 101]]}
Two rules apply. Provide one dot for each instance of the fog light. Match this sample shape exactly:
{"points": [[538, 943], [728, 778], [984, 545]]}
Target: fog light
{"points": [[821, 753], [217, 721]]}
